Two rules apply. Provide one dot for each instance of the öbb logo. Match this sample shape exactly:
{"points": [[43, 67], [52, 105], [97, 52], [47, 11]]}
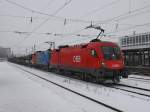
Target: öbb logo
{"points": [[77, 59]]}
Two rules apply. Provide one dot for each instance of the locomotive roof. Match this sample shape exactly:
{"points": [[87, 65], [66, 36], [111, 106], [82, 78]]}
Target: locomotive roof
{"points": [[83, 45]]}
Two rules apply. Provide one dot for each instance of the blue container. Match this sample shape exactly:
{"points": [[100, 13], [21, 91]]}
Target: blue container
{"points": [[45, 57]]}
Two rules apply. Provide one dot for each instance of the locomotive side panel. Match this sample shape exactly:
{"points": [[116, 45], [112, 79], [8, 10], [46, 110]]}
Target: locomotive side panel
{"points": [[54, 61], [92, 58], [79, 58]]}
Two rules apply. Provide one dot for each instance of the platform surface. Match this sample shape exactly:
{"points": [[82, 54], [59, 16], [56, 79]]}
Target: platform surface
{"points": [[20, 93]]}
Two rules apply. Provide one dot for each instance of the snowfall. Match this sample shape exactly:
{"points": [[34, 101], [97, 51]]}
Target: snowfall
{"points": [[22, 92]]}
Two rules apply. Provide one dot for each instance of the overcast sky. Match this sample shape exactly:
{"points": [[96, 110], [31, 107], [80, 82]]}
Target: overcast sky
{"points": [[50, 18]]}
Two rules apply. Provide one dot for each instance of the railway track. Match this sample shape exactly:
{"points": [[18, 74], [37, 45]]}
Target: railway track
{"points": [[145, 79], [133, 87], [115, 86], [140, 79], [138, 70], [70, 90]]}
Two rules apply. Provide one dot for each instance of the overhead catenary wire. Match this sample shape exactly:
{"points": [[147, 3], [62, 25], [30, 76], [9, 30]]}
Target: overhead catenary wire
{"points": [[122, 16], [77, 34], [87, 37], [100, 8], [53, 14], [46, 14], [83, 35], [48, 33], [133, 15], [49, 3], [76, 20], [25, 32], [15, 16], [114, 18], [46, 20], [109, 33], [58, 10], [29, 17], [131, 27], [42, 23]]}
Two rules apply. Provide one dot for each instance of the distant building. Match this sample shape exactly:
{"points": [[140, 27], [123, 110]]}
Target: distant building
{"points": [[136, 49], [5, 52], [137, 41]]}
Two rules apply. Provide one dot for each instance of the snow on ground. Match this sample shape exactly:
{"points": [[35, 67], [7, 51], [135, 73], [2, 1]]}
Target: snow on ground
{"points": [[140, 76], [137, 82], [21, 93], [122, 100]]}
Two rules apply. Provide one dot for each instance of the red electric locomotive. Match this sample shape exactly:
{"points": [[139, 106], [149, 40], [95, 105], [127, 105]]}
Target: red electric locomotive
{"points": [[97, 59]]}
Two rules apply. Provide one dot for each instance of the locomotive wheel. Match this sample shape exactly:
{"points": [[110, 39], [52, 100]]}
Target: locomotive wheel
{"points": [[116, 79], [100, 80], [83, 76]]}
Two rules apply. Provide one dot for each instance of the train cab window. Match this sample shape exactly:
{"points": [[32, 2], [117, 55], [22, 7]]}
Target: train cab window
{"points": [[111, 53], [93, 53]]}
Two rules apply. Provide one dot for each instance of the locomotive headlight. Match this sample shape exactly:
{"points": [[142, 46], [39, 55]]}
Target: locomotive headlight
{"points": [[103, 64]]}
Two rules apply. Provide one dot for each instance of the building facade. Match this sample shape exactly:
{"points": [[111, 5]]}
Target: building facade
{"points": [[5, 52], [136, 49]]}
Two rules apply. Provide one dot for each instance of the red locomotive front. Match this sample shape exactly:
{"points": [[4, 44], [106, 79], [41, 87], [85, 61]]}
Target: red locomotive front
{"points": [[99, 60]]}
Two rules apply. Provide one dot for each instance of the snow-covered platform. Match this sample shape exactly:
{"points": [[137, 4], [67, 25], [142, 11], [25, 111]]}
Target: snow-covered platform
{"points": [[21, 93]]}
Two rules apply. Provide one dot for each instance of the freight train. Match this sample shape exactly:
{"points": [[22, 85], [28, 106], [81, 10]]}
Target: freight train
{"points": [[98, 60]]}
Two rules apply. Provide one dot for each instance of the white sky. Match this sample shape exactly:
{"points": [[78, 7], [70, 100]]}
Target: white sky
{"points": [[88, 10]]}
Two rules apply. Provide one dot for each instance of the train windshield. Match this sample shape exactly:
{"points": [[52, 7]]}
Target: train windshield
{"points": [[111, 53]]}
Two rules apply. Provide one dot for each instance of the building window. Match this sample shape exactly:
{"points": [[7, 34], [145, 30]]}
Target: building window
{"points": [[140, 39], [137, 39], [143, 39], [146, 38], [149, 37], [122, 41], [130, 41], [133, 40], [127, 41]]}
